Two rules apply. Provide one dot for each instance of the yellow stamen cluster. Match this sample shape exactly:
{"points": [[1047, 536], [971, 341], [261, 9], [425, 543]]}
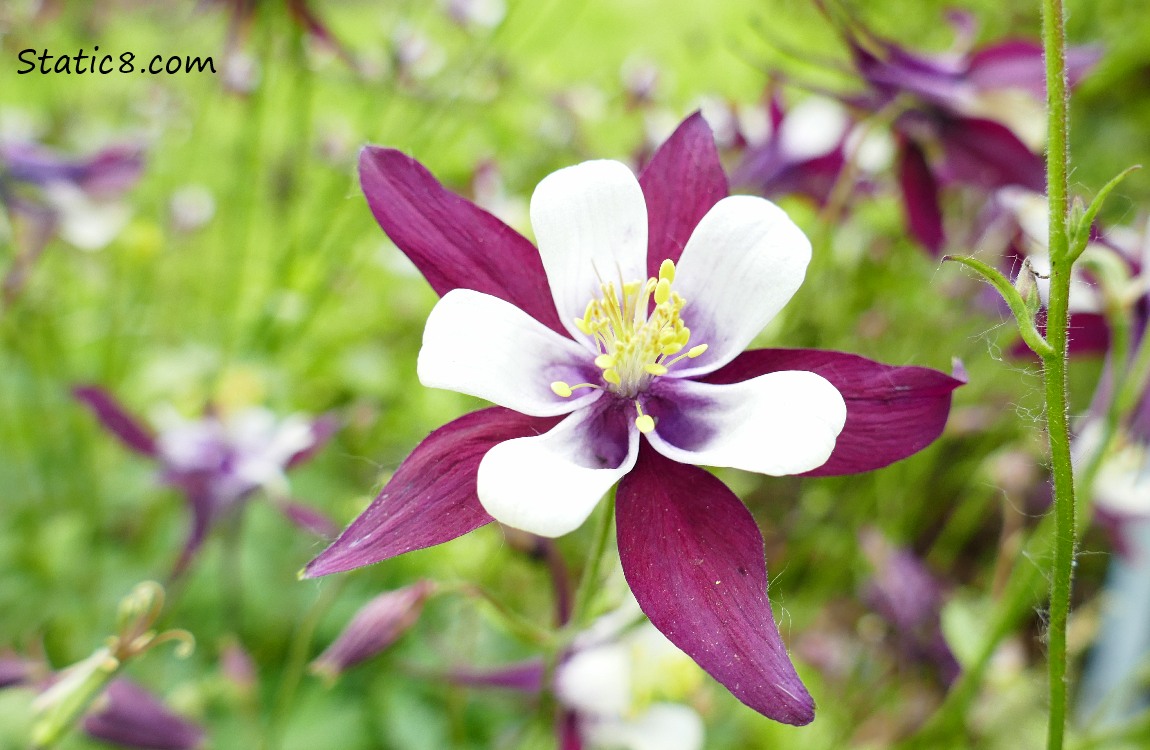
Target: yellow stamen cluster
{"points": [[634, 346]]}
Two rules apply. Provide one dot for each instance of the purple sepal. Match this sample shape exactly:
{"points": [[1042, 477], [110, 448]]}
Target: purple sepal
{"points": [[116, 419], [15, 670], [1088, 335], [920, 197], [693, 557], [322, 430], [567, 731], [1018, 63], [204, 510], [454, 243], [892, 411], [307, 518], [106, 173], [908, 596], [133, 717], [988, 154], [431, 499], [683, 180], [376, 626], [524, 676]]}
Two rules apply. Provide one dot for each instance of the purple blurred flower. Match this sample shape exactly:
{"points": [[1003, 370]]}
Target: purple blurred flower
{"points": [[905, 594], [498, 333], [804, 150], [218, 461], [130, 716], [621, 684], [376, 626], [243, 14], [16, 670], [76, 197], [624, 684], [973, 118]]}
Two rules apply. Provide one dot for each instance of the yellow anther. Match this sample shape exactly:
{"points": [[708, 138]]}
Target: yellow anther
{"points": [[637, 330], [695, 351], [645, 423], [561, 389]]}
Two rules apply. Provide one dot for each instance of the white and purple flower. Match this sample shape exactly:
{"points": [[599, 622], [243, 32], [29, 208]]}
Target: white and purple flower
{"points": [[220, 460], [615, 354]]}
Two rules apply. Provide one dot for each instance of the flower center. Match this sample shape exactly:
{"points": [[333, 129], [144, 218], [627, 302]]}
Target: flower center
{"points": [[636, 347]]}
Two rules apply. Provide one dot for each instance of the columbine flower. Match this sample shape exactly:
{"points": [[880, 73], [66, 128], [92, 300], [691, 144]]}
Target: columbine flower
{"points": [[623, 683], [963, 117], [614, 353], [803, 151], [74, 197], [218, 461], [242, 13]]}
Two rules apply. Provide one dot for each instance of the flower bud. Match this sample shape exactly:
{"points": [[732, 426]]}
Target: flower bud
{"points": [[130, 716], [376, 626]]}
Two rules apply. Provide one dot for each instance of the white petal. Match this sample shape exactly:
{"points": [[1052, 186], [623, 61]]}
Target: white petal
{"points": [[813, 127], [744, 261], [663, 726], [779, 423], [550, 483], [596, 680], [590, 223], [484, 346]]}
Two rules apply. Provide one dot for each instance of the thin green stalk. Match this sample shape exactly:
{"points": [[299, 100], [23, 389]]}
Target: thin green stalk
{"points": [[296, 661], [592, 572], [1054, 365]]}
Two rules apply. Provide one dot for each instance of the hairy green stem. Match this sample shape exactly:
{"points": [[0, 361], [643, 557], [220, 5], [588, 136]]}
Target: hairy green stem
{"points": [[1054, 365]]}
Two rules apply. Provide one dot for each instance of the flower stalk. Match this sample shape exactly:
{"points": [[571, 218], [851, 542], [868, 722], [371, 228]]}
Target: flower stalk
{"points": [[1054, 364]]}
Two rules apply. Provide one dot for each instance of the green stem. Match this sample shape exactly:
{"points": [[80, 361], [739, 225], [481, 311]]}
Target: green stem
{"points": [[515, 623], [592, 572], [296, 661], [1054, 364]]}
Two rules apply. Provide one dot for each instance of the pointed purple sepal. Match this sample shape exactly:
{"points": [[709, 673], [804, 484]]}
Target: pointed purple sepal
{"points": [[920, 197], [693, 557], [431, 499], [892, 411], [525, 676], [989, 155], [15, 670], [116, 419], [322, 430], [132, 717], [683, 180], [454, 243], [307, 518], [1018, 64]]}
